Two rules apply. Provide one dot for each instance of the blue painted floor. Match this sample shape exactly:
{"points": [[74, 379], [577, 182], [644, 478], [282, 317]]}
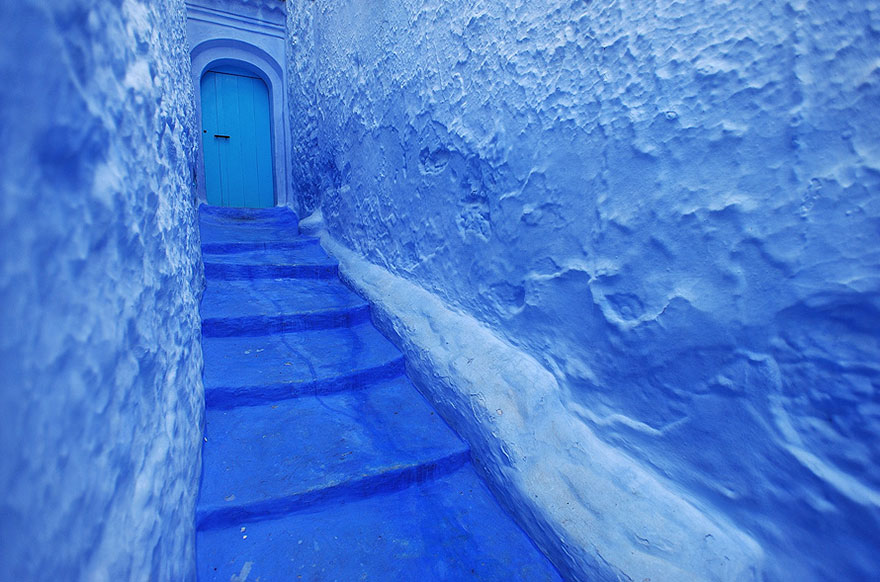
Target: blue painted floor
{"points": [[322, 462]]}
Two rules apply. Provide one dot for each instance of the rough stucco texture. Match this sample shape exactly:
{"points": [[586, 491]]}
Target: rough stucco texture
{"points": [[675, 207], [100, 384]]}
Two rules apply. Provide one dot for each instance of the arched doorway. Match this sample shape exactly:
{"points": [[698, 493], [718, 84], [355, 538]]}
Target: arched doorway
{"points": [[236, 138], [227, 55]]}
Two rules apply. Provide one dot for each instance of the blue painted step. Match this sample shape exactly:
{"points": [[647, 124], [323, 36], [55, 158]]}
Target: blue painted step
{"points": [[266, 306], [253, 370], [222, 229], [280, 217], [342, 446], [307, 261], [255, 244], [322, 462], [448, 528]]}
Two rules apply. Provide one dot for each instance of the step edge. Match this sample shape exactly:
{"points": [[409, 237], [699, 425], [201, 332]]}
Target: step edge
{"points": [[285, 322], [228, 397], [231, 212], [393, 479], [232, 248], [327, 261], [243, 271]]}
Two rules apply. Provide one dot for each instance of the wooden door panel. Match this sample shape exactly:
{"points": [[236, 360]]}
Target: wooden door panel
{"points": [[237, 141]]}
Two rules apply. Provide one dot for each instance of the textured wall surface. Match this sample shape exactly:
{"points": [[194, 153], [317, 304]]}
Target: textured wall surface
{"points": [[595, 512], [100, 361], [674, 207]]}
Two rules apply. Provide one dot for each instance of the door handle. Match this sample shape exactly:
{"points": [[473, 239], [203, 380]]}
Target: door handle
{"points": [[223, 136]]}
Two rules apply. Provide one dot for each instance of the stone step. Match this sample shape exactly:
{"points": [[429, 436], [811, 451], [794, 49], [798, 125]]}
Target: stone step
{"points": [[447, 528], [241, 371], [266, 461], [273, 242], [239, 229], [267, 306], [308, 261], [321, 461], [280, 216]]}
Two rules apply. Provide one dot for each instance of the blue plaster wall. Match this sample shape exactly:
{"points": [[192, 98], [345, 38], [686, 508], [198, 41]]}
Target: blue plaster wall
{"points": [[100, 361], [675, 207]]}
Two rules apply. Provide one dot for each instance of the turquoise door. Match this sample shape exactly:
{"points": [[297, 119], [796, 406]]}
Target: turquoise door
{"points": [[236, 140]]}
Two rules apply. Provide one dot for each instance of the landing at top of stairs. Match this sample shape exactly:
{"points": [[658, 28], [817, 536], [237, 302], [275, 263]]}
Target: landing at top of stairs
{"points": [[222, 229]]}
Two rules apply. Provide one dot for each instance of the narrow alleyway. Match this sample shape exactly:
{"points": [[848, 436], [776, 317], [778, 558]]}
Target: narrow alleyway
{"points": [[321, 461]]}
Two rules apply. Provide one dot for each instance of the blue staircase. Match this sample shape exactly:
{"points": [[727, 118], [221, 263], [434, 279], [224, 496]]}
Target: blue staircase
{"points": [[321, 461]]}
